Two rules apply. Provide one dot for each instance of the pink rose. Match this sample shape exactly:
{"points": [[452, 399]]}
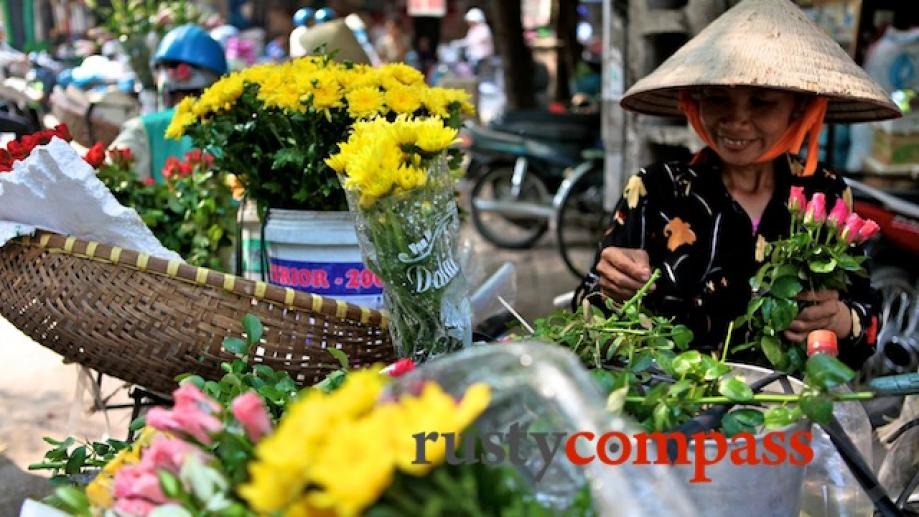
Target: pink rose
{"points": [[796, 200], [134, 507], [839, 214], [868, 229], [816, 209], [189, 395], [850, 229], [168, 454], [250, 410], [399, 368], [185, 420], [136, 481], [193, 415]]}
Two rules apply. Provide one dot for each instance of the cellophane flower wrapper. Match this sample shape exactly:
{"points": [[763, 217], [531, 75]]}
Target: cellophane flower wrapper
{"points": [[410, 242]]}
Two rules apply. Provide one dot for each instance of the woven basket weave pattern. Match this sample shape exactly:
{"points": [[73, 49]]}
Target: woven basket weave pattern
{"points": [[147, 320]]}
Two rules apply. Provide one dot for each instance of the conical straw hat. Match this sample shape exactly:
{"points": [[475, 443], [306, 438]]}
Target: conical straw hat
{"points": [[766, 43]]}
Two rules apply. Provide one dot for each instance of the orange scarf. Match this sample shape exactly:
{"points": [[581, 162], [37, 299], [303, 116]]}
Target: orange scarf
{"points": [[808, 125]]}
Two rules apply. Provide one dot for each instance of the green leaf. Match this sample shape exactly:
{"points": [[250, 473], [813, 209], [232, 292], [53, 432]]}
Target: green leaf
{"points": [[172, 487], [783, 313], [786, 287], [76, 460], [818, 408], [822, 265], [682, 336], [827, 372], [772, 349], [742, 420], [234, 345], [642, 362], [686, 362], [73, 499], [779, 417], [340, 356], [138, 423], [848, 263], [735, 390], [254, 329]]}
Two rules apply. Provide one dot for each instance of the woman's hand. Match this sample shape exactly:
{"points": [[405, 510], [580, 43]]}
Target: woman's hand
{"points": [[826, 312], [623, 271]]}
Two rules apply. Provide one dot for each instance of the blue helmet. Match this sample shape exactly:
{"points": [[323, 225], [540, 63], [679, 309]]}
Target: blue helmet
{"points": [[303, 16], [323, 15], [190, 44]]}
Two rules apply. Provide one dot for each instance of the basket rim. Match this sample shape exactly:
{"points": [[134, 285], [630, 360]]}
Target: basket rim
{"points": [[179, 270]]}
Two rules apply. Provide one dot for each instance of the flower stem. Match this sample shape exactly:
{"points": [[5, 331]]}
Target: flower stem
{"points": [[767, 398]]}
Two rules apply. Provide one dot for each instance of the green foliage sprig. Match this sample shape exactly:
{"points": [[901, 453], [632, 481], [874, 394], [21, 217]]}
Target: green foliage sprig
{"points": [[819, 253], [193, 213], [634, 357]]}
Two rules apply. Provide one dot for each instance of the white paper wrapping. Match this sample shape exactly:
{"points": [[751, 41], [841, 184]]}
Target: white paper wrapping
{"points": [[54, 189]]}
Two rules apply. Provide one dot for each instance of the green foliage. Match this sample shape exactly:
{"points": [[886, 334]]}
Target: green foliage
{"points": [[633, 358], [813, 258], [69, 460], [193, 213], [132, 20], [470, 490]]}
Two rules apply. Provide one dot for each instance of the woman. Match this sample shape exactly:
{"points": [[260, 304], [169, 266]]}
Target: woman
{"points": [[754, 85]]}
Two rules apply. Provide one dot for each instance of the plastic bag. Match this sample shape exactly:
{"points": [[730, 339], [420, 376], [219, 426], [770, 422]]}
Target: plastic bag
{"points": [[535, 385]]}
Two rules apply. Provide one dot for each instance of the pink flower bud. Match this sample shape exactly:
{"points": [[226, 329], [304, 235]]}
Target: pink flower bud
{"points": [[192, 415], [868, 229], [250, 410], [839, 214], [796, 200], [850, 230], [399, 368], [816, 209]]}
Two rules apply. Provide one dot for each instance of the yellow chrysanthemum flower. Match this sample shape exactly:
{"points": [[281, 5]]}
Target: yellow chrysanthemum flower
{"points": [[460, 98], [365, 102], [435, 101], [402, 73], [403, 99], [434, 409], [433, 136], [183, 117]]}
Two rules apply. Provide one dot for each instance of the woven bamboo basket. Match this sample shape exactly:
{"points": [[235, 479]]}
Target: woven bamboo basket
{"points": [[146, 320]]}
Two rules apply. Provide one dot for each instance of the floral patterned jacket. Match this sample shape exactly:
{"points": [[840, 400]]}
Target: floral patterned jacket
{"points": [[704, 243]]}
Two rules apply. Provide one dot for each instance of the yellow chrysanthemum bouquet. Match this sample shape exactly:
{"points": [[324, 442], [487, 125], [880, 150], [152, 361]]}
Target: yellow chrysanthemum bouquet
{"points": [[273, 125], [400, 186]]}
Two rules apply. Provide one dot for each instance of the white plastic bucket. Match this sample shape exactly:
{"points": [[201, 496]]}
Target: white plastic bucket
{"points": [[318, 252]]}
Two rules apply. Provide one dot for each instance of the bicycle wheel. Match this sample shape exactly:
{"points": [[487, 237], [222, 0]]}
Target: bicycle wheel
{"points": [[501, 229], [581, 222]]}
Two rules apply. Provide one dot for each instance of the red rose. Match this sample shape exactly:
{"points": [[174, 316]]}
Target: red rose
{"points": [[121, 156], [18, 150], [6, 161], [149, 181], [63, 132], [172, 167], [95, 156], [193, 156]]}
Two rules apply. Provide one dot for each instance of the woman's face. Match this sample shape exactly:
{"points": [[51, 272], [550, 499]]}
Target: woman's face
{"points": [[745, 122]]}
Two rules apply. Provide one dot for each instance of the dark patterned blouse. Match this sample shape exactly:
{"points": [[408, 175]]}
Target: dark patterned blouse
{"points": [[704, 243]]}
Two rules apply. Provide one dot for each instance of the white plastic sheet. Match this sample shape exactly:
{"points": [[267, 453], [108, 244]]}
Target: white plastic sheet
{"points": [[54, 189]]}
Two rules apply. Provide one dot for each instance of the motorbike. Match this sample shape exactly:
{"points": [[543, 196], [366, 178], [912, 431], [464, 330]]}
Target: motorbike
{"points": [[517, 164]]}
